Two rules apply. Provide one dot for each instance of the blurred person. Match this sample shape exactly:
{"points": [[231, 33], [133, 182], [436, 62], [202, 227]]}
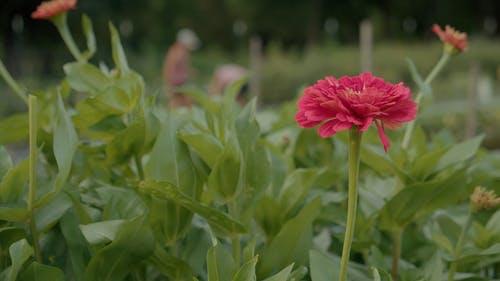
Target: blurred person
{"points": [[225, 75], [176, 67]]}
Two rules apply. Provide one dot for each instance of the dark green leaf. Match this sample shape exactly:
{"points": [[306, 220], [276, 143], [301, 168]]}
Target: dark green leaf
{"points": [[77, 246], [293, 241], [133, 244], [19, 252], [214, 217], [41, 272], [170, 266]]}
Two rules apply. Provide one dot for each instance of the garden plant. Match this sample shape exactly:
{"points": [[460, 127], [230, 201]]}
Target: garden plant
{"points": [[119, 187]]}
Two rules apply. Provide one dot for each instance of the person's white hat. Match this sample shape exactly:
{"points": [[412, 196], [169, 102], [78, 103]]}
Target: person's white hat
{"points": [[188, 38]]}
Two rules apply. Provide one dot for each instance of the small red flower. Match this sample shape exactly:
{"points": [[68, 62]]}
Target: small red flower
{"points": [[51, 8], [455, 39], [359, 101]]}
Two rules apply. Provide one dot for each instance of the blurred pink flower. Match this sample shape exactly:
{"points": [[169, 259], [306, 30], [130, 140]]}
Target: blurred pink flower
{"points": [[456, 40], [51, 8], [359, 101]]}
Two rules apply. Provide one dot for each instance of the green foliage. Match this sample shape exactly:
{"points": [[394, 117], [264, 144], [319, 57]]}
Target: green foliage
{"points": [[129, 190]]}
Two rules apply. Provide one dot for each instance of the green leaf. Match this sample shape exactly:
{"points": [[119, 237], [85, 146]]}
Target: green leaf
{"points": [[216, 218], [77, 246], [41, 272], [167, 217], [50, 213], [296, 187], [459, 152], [5, 162], [86, 78], [20, 252], [425, 164], [231, 91], [247, 271], [126, 143], [293, 241], [64, 147], [88, 30], [324, 267], [220, 264], [170, 266], [433, 269], [91, 110], [199, 96], [225, 178], [207, 146], [420, 198], [14, 128], [14, 214], [382, 164], [101, 232], [380, 275], [133, 244], [14, 182], [117, 50], [282, 275]]}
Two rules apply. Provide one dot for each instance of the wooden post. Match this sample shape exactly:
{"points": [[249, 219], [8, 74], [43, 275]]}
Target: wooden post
{"points": [[255, 53], [366, 44], [471, 105]]}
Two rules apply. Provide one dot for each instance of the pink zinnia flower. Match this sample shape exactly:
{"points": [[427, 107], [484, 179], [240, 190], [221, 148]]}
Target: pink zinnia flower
{"points": [[359, 101], [51, 8], [457, 41]]}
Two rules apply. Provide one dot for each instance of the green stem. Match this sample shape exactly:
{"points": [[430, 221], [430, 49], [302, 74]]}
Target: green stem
{"points": [[445, 57], [32, 175], [458, 247], [20, 92], [396, 251], [138, 163], [62, 26], [354, 154]]}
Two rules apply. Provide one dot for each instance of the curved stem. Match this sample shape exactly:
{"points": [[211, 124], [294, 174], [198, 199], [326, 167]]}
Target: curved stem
{"points": [[32, 175], [445, 57], [62, 26], [354, 154], [396, 251], [458, 247], [13, 84]]}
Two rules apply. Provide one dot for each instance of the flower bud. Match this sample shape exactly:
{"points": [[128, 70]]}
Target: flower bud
{"points": [[483, 199]]}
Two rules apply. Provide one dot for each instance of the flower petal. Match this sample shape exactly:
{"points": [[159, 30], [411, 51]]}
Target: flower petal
{"points": [[329, 128], [381, 134]]}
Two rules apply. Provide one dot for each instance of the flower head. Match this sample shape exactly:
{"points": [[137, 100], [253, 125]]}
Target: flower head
{"points": [[51, 8], [454, 40], [358, 101], [483, 199]]}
